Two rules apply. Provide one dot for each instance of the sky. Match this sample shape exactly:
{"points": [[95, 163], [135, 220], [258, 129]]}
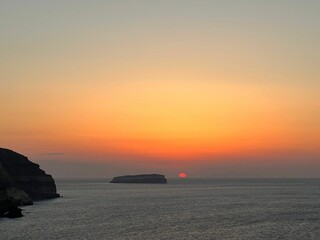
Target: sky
{"points": [[210, 88]]}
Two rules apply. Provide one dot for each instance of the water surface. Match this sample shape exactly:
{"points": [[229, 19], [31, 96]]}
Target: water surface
{"points": [[182, 209]]}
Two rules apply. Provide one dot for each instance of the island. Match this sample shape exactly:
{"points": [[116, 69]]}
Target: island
{"points": [[142, 178], [21, 183]]}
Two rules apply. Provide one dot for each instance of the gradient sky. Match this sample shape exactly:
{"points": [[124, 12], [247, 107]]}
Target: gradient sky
{"points": [[211, 88]]}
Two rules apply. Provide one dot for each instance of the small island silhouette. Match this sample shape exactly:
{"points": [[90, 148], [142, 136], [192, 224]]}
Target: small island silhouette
{"points": [[142, 178]]}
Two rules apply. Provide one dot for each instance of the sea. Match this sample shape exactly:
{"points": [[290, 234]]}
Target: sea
{"points": [[182, 209]]}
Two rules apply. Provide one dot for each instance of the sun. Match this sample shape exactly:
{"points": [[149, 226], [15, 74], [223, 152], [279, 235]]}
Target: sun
{"points": [[182, 175]]}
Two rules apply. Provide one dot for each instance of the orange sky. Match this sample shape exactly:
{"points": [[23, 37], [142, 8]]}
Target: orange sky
{"points": [[99, 87]]}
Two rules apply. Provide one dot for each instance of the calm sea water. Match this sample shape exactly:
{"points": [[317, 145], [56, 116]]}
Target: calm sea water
{"points": [[183, 209]]}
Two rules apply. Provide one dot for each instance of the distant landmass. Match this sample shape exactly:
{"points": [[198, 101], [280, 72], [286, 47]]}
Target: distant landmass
{"points": [[21, 183], [142, 178]]}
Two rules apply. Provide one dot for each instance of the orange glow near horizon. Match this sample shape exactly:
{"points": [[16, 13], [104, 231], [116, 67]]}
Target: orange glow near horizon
{"points": [[184, 119], [172, 120]]}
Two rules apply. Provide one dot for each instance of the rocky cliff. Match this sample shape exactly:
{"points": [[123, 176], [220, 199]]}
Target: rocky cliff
{"points": [[26, 175], [143, 178], [21, 182], [10, 191]]}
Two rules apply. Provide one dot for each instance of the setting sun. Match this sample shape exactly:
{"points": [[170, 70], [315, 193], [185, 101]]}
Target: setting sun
{"points": [[182, 175]]}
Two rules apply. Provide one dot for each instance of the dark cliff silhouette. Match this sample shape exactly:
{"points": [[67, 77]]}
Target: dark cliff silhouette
{"points": [[22, 182]]}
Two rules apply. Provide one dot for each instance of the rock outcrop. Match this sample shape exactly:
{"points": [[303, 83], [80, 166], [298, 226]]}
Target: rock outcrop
{"points": [[11, 197], [9, 209], [27, 175], [143, 178], [9, 190], [21, 182]]}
